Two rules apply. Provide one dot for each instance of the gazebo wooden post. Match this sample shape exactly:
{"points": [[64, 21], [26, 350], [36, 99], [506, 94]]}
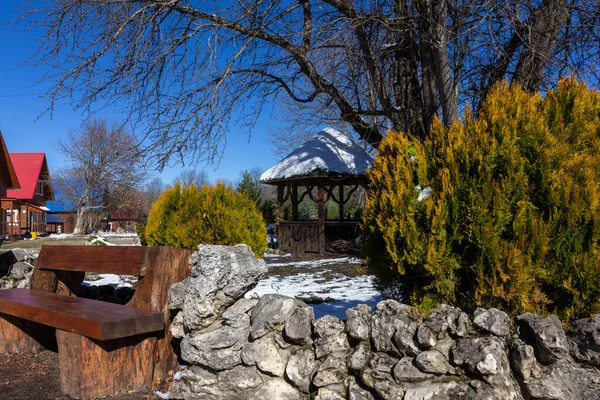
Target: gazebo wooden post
{"points": [[294, 200], [321, 215], [341, 201], [280, 201]]}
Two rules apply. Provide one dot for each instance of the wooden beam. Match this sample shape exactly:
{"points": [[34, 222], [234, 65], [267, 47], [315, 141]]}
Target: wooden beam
{"points": [[121, 260], [321, 215], [341, 203], [295, 201]]}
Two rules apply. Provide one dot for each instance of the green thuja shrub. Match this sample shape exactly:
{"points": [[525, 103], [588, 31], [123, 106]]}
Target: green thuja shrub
{"points": [[185, 217], [512, 219]]}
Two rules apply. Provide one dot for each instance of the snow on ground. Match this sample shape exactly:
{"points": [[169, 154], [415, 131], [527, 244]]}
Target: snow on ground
{"points": [[318, 263], [272, 255], [334, 292], [62, 236], [109, 279]]}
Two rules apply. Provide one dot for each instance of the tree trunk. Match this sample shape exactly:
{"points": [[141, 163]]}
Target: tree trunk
{"points": [[543, 34], [433, 29]]}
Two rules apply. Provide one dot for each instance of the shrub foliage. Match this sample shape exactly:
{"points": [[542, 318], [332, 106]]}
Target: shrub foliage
{"points": [[512, 220], [185, 217]]}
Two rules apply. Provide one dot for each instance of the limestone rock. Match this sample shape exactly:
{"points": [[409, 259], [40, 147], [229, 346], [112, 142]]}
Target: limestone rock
{"points": [[483, 355], [585, 337], [393, 328], [439, 323], [220, 276], [355, 392], [271, 314], [298, 329], [18, 276], [277, 389], [358, 360], [333, 370], [241, 381], [21, 255], [176, 328], [328, 394], [301, 368], [406, 371], [330, 336], [266, 355], [548, 335], [358, 321], [177, 295], [522, 358], [217, 348], [565, 381], [196, 382], [438, 391], [433, 362], [238, 315], [378, 375], [19, 270], [493, 321]]}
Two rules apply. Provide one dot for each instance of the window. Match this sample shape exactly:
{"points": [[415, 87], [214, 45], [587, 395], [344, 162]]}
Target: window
{"points": [[39, 188]]}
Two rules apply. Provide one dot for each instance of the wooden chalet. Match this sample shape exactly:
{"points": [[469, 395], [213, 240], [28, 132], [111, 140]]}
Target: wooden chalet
{"points": [[8, 176], [24, 209], [335, 166]]}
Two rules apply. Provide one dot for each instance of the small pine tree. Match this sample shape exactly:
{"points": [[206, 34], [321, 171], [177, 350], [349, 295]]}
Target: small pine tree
{"points": [[185, 217], [249, 185], [513, 216]]}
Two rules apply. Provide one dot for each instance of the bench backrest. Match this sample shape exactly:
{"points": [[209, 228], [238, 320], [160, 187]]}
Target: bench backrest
{"points": [[121, 260]]}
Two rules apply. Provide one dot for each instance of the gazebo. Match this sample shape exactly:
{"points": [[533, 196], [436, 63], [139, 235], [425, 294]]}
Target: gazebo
{"points": [[329, 162]]}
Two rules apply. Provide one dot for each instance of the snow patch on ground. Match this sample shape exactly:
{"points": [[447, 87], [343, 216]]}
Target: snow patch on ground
{"points": [[100, 241], [337, 291], [109, 280], [318, 263], [271, 255]]}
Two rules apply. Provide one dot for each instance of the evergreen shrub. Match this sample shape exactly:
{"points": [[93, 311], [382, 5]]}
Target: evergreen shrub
{"points": [[512, 219], [185, 217]]}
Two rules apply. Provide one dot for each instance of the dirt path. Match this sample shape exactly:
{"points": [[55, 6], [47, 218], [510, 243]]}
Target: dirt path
{"points": [[35, 377]]}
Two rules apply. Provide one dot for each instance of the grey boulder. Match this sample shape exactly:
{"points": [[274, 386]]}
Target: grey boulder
{"points": [[493, 321], [548, 335]]}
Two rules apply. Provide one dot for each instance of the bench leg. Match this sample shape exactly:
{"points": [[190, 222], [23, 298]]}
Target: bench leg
{"points": [[21, 336], [90, 368]]}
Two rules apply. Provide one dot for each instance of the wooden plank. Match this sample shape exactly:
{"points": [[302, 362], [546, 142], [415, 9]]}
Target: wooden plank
{"points": [[91, 318], [90, 369], [121, 260]]}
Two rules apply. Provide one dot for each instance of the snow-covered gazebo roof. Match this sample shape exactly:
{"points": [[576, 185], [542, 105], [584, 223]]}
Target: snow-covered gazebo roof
{"points": [[328, 154]]}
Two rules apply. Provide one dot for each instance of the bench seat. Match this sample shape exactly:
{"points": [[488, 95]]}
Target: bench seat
{"points": [[90, 318]]}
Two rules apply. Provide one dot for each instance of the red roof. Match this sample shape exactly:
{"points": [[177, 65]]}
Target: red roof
{"points": [[28, 167]]}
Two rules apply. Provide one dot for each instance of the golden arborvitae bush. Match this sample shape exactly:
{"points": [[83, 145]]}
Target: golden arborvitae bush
{"points": [[185, 216], [512, 216]]}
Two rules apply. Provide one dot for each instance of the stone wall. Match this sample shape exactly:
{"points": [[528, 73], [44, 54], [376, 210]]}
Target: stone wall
{"points": [[16, 268], [272, 348]]}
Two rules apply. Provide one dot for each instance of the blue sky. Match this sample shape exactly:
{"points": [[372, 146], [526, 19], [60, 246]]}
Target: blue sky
{"points": [[26, 129]]}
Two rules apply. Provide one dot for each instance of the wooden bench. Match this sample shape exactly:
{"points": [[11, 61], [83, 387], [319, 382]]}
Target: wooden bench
{"points": [[103, 348]]}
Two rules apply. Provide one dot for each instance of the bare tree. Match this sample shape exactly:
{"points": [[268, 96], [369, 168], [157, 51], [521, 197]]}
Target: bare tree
{"points": [[150, 193], [192, 176], [191, 69], [105, 170]]}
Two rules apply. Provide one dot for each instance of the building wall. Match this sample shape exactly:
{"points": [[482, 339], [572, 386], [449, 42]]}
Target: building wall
{"points": [[70, 218]]}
